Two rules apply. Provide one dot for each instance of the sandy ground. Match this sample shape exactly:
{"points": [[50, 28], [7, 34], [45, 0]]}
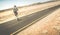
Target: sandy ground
{"points": [[49, 25], [9, 15]]}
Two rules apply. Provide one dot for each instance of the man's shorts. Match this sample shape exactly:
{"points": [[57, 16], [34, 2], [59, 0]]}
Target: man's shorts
{"points": [[16, 13]]}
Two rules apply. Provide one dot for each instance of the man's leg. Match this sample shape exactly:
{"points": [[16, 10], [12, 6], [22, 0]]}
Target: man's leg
{"points": [[16, 14]]}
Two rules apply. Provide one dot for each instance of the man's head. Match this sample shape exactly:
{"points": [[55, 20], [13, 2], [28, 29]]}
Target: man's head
{"points": [[14, 5]]}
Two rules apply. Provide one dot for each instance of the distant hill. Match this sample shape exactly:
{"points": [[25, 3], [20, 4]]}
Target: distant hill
{"points": [[21, 6], [27, 5]]}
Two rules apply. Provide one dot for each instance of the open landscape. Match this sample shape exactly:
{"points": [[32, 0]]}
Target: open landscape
{"points": [[35, 19]]}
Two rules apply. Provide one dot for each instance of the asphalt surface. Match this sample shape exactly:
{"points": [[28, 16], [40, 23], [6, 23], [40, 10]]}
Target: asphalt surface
{"points": [[8, 28]]}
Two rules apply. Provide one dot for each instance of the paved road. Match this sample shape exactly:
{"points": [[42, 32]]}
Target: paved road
{"points": [[12, 26]]}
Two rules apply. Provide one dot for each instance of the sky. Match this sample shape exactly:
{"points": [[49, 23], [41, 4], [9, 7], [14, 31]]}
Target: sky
{"points": [[5, 4]]}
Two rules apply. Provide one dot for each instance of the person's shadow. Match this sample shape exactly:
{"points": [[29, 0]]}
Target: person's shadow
{"points": [[19, 19]]}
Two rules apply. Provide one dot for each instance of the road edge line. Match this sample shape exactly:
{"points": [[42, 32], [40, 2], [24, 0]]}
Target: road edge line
{"points": [[29, 24]]}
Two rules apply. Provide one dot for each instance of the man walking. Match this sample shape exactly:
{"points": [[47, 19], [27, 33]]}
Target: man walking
{"points": [[15, 9]]}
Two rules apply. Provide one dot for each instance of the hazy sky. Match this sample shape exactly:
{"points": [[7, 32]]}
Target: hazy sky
{"points": [[5, 4]]}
